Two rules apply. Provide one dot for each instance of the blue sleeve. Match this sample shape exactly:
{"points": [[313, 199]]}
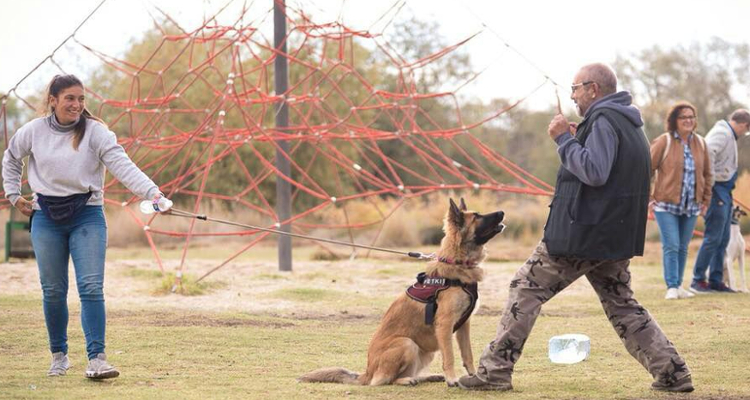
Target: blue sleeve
{"points": [[593, 162]]}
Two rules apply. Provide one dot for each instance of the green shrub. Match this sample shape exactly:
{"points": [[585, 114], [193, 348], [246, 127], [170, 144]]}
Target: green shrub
{"points": [[431, 235], [187, 285], [326, 255]]}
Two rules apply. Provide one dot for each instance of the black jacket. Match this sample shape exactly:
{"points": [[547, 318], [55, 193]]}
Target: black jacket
{"points": [[608, 221]]}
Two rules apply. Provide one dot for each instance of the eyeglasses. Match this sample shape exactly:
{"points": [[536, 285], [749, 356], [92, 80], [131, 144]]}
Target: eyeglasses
{"points": [[691, 117], [575, 86]]}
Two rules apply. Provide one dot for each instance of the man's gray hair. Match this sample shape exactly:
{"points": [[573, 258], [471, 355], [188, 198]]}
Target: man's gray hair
{"points": [[740, 116], [603, 75]]}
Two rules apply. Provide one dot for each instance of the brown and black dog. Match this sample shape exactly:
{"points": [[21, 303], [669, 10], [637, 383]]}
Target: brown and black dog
{"points": [[405, 344]]}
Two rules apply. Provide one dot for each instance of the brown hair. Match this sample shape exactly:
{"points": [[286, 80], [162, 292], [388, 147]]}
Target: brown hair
{"points": [[57, 85], [674, 112]]}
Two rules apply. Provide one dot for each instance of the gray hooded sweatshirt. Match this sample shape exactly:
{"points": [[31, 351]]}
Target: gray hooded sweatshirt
{"points": [[57, 169], [593, 162]]}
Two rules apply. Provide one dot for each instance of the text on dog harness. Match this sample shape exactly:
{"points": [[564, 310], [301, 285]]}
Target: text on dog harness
{"points": [[427, 289]]}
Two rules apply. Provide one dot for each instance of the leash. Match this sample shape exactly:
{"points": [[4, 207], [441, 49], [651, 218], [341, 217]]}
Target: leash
{"points": [[204, 217]]}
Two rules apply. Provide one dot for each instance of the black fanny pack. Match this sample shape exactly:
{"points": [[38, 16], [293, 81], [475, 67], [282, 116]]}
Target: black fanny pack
{"points": [[62, 209]]}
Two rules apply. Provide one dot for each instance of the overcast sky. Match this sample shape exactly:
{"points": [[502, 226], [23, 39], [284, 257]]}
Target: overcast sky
{"points": [[553, 37]]}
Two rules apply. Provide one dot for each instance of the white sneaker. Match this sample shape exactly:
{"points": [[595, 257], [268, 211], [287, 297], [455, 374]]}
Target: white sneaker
{"points": [[684, 294], [60, 364], [99, 368], [672, 294]]}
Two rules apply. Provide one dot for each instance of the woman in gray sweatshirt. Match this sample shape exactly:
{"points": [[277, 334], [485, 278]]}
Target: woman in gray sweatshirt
{"points": [[68, 152]]}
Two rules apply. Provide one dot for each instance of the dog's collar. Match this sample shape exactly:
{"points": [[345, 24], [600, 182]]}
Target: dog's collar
{"points": [[446, 260]]}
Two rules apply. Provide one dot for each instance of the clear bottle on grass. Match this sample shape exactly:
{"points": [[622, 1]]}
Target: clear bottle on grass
{"points": [[569, 348]]}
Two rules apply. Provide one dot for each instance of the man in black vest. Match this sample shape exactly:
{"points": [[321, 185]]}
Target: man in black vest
{"points": [[597, 222]]}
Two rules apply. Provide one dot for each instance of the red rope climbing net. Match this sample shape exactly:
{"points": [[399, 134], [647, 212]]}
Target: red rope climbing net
{"points": [[196, 113]]}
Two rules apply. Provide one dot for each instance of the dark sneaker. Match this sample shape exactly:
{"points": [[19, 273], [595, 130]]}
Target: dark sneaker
{"points": [[472, 382], [99, 368], [60, 364], [700, 287], [721, 288], [684, 384]]}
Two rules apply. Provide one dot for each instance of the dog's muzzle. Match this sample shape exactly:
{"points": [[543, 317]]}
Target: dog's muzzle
{"points": [[491, 225]]}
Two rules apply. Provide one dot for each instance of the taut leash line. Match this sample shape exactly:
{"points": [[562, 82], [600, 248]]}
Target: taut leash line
{"points": [[204, 217]]}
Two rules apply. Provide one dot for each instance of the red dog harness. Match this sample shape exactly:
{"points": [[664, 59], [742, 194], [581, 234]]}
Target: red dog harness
{"points": [[427, 289]]}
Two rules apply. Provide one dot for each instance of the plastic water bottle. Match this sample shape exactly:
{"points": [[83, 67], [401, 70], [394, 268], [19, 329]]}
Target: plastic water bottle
{"points": [[149, 207], [569, 349]]}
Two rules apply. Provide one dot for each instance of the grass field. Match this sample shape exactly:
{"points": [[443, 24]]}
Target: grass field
{"points": [[254, 330]]}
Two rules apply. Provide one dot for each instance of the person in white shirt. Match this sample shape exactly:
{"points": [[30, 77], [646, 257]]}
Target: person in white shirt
{"points": [[68, 152]]}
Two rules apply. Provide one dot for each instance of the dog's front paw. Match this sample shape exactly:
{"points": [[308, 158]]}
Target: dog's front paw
{"points": [[406, 381], [452, 382]]}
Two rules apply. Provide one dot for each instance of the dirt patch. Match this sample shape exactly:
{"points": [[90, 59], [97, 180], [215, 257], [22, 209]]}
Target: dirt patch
{"points": [[489, 311], [364, 288], [340, 317], [185, 319]]}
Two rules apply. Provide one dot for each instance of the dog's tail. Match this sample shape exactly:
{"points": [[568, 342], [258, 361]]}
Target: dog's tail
{"points": [[331, 375]]}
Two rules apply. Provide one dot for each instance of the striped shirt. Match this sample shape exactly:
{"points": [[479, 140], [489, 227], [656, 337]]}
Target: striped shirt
{"points": [[688, 206]]}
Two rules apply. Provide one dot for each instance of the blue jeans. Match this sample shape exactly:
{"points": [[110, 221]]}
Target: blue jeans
{"points": [[676, 232], [85, 240], [715, 241]]}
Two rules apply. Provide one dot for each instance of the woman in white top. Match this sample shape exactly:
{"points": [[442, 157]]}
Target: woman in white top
{"points": [[69, 151]]}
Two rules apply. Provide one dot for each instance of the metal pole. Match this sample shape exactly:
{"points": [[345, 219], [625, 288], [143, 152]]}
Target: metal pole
{"points": [[281, 83]]}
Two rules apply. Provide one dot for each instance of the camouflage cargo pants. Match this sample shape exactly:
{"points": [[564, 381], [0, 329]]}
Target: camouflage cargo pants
{"points": [[541, 278]]}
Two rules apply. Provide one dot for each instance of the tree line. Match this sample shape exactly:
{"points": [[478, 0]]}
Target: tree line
{"points": [[713, 75]]}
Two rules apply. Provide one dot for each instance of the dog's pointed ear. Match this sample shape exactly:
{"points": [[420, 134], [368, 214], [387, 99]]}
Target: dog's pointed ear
{"points": [[455, 216], [462, 205]]}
